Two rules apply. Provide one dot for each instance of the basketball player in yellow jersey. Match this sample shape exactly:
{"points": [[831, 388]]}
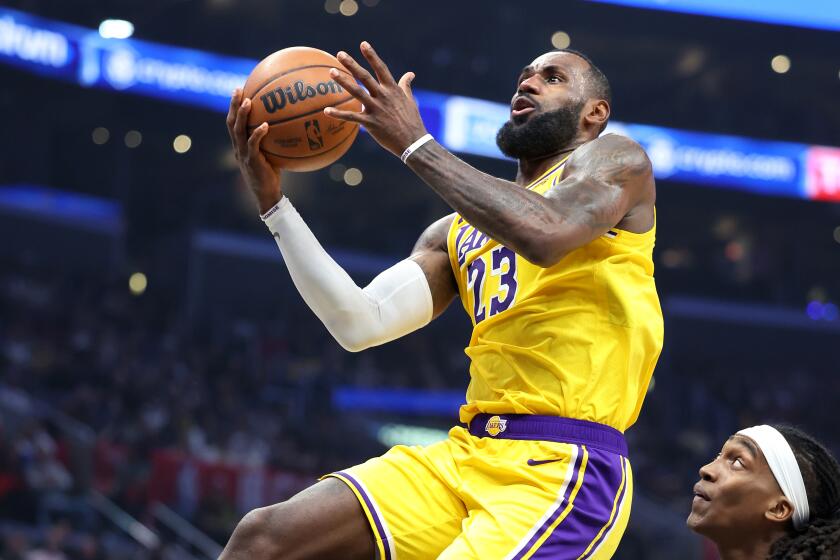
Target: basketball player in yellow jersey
{"points": [[555, 271]]}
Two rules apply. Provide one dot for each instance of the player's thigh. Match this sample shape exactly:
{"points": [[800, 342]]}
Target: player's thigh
{"points": [[324, 521], [572, 508], [409, 497]]}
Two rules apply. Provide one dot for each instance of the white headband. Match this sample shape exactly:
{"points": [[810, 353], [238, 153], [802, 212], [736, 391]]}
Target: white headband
{"points": [[783, 464]]}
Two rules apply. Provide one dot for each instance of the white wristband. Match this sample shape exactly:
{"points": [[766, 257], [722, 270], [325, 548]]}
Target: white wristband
{"points": [[283, 201], [414, 146]]}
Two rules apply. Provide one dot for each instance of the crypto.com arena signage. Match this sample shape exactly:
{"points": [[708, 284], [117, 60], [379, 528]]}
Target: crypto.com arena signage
{"points": [[466, 125]]}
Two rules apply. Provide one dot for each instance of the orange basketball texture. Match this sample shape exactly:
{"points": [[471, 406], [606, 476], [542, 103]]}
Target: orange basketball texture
{"points": [[289, 90]]}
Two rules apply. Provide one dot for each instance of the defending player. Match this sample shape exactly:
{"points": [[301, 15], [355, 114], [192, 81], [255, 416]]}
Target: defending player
{"points": [[771, 493], [555, 269]]}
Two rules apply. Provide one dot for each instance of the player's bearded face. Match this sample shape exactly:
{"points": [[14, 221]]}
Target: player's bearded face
{"points": [[540, 134]]}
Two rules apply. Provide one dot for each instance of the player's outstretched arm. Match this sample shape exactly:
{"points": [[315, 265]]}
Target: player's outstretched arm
{"points": [[603, 181], [398, 301]]}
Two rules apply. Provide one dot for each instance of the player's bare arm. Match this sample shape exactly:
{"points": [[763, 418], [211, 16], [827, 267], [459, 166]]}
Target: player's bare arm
{"points": [[431, 254], [605, 183]]}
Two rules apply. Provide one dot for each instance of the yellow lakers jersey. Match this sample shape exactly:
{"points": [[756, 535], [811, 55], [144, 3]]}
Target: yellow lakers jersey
{"points": [[578, 339]]}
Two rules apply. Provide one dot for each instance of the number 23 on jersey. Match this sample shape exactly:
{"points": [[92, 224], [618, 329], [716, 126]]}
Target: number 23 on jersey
{"points": [[491, 282]]}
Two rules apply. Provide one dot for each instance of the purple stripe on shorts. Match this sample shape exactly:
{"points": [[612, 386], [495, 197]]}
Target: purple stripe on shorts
{"points": [[591, 509], [556, 513], [618, 505], [380, 528]]}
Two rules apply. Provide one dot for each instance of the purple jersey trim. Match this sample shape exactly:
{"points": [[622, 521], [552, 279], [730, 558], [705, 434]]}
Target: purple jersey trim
{"points": [[552, 428], [379, 524], [557, 511]]}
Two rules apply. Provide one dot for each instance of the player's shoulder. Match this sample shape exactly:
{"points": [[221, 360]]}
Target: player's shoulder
{"points": [[613, 143], [435, 236], [445, 223], [612, 149]]}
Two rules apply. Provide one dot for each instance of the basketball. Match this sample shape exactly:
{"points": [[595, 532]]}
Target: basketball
{"points": [[289, 90]]}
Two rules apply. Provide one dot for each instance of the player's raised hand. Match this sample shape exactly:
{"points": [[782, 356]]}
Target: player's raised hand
{"points": [[260, 176], [390, 113]]}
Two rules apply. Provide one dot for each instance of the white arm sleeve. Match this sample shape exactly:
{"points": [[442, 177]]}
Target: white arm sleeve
{"points": [[395, 303]]}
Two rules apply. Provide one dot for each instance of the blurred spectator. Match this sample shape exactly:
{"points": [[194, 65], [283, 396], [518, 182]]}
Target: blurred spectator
{"points": [[53, 546], [253, 394], [42, 469], [15, 546], [90, 549]]}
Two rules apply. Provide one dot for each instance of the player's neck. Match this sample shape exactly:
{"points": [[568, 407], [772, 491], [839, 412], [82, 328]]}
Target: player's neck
{"points": [[532, 169], [759, 549]]}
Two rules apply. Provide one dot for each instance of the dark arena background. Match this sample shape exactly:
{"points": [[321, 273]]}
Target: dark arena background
{"points": [[160, 374]]}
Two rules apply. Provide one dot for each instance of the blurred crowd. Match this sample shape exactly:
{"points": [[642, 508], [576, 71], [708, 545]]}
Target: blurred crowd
{"points": [[256, 394]]}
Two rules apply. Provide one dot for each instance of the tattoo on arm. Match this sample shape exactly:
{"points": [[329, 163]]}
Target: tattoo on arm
{"points": [[603, 179]]}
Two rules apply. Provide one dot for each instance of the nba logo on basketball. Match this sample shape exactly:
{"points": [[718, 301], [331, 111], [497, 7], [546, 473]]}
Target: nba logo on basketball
{"points": [[313, 134], [495, 425]]}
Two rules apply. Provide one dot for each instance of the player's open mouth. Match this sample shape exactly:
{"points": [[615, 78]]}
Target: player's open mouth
{"points": [[700, 494], [521, 106]]}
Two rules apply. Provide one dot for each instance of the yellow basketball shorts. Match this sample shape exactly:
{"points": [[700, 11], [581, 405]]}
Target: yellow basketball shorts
{"points": [[511, 487]]}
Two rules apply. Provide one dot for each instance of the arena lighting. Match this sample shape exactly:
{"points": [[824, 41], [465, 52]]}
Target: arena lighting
{"points": [[348, 7], [116, 29], [331, 6], [390, 435], [137, 283], [100, 135], [182, 143], [133, 138], [819, 14], [337, 171], [780, 64], [353, 176], [837, 234], [461, 124], [560, 40]]}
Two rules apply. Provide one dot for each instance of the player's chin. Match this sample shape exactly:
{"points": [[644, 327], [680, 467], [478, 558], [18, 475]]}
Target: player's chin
{"points": [[694, 522], [698, 519]]}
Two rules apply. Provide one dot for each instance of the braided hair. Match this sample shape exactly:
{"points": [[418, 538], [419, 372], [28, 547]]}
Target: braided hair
{"points": [[820, 540]]}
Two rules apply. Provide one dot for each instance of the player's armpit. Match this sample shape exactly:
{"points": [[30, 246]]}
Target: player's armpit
{"points": [[431, 253]]}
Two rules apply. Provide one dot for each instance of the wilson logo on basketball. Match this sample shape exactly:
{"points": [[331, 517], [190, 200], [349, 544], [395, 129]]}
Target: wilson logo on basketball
{"points": [[277, 98]]}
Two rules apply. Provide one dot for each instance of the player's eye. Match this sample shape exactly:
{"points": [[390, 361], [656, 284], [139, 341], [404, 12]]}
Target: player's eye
{"points": [[737, 463], [555, 79]]}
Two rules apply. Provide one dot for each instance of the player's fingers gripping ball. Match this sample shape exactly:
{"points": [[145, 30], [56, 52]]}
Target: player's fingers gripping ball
{"points": [[289, 90]]}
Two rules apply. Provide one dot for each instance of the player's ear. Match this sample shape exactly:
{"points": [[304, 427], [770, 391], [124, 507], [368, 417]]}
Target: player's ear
{"points": [[597, 112], [779, 511]]}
